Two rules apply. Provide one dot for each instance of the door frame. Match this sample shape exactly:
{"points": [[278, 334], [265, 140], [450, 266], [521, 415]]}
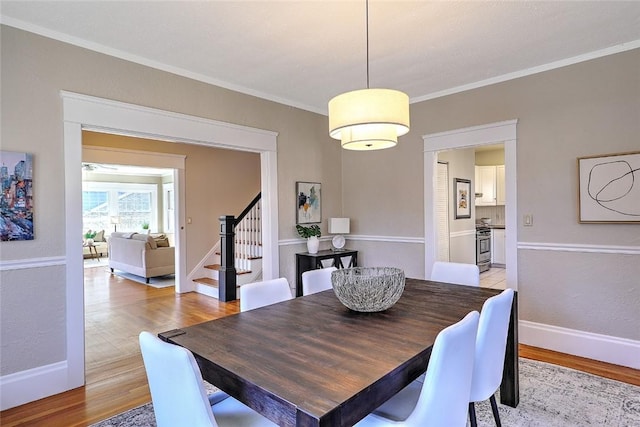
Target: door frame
{"points": [[104, 115], [493, 133]]}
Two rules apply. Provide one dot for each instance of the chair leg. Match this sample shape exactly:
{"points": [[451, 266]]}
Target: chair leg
{"points": [[472, 415], [494, 408]]}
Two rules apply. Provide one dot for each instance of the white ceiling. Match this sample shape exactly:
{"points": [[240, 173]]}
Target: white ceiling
{"points": [[302, 53]]}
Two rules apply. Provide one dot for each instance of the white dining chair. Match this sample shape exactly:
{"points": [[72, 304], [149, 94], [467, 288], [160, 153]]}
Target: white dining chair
{"points": [[456, 272], [443, 398], [267, 292], [490, 352], [178, 394], [319, 280]]}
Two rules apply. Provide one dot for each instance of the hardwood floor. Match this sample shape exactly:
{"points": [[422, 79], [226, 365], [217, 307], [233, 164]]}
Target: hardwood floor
{"points": [[118, 309]]}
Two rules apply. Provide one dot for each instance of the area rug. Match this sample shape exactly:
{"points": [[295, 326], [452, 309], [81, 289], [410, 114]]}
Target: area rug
{"points": [[155, 282], [550, 396]]}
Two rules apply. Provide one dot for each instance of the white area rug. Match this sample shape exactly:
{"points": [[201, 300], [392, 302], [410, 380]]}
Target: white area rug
{"points": [[550, 396], [155, 282]]}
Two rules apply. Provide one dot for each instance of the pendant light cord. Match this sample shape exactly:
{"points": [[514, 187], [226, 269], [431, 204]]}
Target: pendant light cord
{"points": [[367, 29]]}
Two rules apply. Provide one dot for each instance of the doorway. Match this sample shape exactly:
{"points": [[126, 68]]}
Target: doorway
{"points": [[91, 113], [494, 133]]}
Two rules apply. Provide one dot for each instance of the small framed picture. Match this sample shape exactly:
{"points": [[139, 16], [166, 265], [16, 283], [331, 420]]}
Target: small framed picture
{"points": [[461, 194], [308, 202]]}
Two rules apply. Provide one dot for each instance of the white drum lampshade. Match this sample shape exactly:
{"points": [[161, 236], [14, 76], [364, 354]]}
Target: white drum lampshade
{"points": [[369, 119], [338, 226]]}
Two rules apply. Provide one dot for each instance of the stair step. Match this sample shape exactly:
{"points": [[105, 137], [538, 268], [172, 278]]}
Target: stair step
{"points": [[207, 281], [251, 258], [217, 267]]}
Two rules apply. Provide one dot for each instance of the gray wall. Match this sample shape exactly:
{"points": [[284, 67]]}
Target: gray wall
{"points": [[462, 242], [34, 70], [571, 279], [579, 110]]}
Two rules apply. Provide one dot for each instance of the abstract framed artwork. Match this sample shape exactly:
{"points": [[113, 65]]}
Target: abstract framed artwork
{"points": [[16, 199], [461, 192], [609, 188], [308, 202]]}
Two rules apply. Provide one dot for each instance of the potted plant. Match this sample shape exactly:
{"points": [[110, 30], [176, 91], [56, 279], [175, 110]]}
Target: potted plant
{"points": [[89, 235], [311, 233], [145, 227]]}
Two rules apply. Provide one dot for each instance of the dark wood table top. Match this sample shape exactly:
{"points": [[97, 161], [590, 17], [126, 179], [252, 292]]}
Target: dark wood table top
{"points": [[311, 361]]}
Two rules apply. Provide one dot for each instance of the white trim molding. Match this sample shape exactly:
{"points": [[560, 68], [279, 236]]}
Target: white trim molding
{"points": [[386, 239], [577, 247], [83, 112], [619, 351], [360, 237], [492, 133], [21, 264], [33, 384]]}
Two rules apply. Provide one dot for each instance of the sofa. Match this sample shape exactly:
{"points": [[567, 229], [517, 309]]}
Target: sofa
{"points": [[145, 255], [99, 243]]}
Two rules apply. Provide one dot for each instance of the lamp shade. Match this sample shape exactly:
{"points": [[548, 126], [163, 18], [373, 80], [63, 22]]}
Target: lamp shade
{"points": [[369, 119], [338, 225]]}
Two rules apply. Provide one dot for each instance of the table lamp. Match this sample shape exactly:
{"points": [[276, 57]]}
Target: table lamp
{"points": [[115, 220], [338, 226]]}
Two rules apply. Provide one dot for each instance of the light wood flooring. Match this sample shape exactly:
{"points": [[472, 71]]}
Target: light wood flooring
{"points": [[494, 278], [118, 309]]}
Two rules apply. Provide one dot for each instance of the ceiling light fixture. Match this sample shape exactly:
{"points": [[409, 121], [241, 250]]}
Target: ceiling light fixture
{"points": [[369, 119]]}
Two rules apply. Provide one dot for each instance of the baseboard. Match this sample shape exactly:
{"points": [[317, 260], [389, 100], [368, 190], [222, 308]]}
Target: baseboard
{"points": [[619, 351], [33, 384]]}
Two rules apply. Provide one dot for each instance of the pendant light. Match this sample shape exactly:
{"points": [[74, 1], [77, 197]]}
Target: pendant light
{"points": [[369, 119]]}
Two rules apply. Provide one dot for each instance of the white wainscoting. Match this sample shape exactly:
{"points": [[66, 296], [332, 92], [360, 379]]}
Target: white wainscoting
{"points": [[605, 348], [33, 384], [26, 386], [618, 351]]}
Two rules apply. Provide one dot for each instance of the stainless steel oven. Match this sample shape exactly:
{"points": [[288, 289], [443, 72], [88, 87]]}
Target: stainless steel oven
{"points": [[483, 248]]}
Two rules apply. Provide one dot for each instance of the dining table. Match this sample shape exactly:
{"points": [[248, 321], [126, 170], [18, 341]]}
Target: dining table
{"points": [[311, 361]]}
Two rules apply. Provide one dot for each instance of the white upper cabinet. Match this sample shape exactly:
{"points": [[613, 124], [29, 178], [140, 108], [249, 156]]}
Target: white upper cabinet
{"points": [[500, 192], [489, 187]]}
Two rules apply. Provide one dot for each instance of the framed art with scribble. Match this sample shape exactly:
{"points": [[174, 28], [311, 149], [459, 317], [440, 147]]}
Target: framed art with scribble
{"points": [[609, 188]]}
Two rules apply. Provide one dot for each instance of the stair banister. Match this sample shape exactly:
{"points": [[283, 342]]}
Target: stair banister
{"points": [[227, 273], [249, 240]]}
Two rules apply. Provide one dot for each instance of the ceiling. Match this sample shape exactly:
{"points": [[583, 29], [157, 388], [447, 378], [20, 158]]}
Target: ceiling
{"points": [[302, 53]]}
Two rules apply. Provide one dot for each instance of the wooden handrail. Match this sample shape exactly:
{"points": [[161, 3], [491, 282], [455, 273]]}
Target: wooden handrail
{"points": [[248, 208]]}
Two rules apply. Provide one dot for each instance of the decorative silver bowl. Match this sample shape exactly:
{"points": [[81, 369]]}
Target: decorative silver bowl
{"points": [[368, 289]]}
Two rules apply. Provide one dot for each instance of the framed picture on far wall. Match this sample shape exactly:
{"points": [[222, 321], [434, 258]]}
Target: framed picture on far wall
{"points": [[461, 195], [609, 188], [308, 202]]}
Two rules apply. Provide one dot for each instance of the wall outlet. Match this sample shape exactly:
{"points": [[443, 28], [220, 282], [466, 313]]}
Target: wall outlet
{"points": [[528, 220]]}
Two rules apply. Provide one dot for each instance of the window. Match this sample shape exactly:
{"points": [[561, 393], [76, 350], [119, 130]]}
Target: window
{"points": [[133, 204]]}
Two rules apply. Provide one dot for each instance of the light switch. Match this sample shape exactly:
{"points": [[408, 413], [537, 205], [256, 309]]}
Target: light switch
{"points": [[528, 220]]}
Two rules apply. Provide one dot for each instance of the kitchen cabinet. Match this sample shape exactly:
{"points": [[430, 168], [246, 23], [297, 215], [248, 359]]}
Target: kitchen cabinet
{"points": [[498, 245], [500, 187], [489, 186]]}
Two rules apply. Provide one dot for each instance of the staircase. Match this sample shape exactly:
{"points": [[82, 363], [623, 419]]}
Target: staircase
{"points": [[245, 235]]}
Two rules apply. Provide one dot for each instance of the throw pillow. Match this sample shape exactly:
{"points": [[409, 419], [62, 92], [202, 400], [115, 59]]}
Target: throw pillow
{"points": [[162, 243], [99, 237]]}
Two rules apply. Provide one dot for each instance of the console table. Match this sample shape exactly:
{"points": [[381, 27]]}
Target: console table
{"points": [[306, 261]]}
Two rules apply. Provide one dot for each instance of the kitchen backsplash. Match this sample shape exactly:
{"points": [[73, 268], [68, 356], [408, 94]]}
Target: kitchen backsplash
{"points": [[496, 213]]}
